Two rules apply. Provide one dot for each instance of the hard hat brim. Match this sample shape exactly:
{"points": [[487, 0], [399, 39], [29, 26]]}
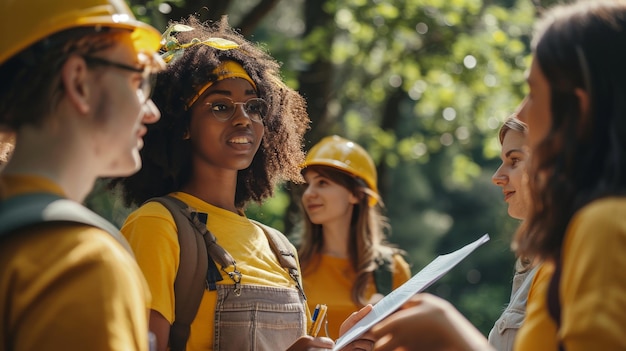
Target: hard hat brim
{"points": [[145, 37], [341, 167]]}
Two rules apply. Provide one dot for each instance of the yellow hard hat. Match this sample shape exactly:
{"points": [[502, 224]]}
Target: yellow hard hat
{"points": [[344, 155], [25, 22]]}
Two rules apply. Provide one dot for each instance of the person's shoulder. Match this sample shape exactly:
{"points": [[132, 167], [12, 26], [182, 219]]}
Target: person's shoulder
{"points": [[95, 244], [107, 260], [68, 246], [602, 213], [398, 258], [268, 229], [150, 209], [604, 207], [401, 268], [602, 220], [148, 215], [274, 234], [543, 271]]}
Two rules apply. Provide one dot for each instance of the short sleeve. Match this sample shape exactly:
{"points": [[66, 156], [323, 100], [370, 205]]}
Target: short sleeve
{"points": [[151, 233]]}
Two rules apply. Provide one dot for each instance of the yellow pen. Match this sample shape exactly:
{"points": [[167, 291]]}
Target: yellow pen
{"points": [[319, 315]]}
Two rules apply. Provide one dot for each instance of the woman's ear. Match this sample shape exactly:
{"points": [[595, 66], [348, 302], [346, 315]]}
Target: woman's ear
{"points": [[74, 78], [354, 199]]}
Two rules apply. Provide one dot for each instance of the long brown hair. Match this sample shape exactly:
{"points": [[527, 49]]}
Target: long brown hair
{"points": [[583, 156]]}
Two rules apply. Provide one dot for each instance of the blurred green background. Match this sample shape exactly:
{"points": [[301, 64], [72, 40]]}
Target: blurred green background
{"points": [[423, 85]]}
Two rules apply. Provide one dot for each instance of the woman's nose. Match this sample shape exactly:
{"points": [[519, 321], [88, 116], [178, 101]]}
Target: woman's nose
{"points": [[151, 113], [308, 192], [240, 116], [499, 178]]}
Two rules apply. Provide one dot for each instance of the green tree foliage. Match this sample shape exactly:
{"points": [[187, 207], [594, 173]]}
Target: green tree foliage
{"points": [[422, 84]]}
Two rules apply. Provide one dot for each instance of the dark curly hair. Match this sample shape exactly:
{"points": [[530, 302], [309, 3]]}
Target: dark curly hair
{"points": [[166, 155]]}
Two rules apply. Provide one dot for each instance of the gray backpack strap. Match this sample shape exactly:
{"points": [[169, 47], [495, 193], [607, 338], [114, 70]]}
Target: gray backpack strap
{"points": [[25, 210], [284, 251]]}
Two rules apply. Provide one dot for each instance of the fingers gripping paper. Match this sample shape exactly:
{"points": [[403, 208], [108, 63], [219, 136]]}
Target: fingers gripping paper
{"points": [[420, 281]]}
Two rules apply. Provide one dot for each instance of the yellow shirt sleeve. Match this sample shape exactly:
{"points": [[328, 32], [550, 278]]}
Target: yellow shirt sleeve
{"points": [[151, 232]]}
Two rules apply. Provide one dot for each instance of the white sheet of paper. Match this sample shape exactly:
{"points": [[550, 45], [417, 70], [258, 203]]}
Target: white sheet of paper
{"points": [[420, 281]]}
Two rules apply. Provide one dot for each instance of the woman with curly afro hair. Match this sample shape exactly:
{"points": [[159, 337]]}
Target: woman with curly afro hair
{"points": [[230, 130]]}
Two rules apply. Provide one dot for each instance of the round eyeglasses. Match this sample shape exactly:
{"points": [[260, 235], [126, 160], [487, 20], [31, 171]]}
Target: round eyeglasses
{"points": [[224, 109], [144, 91]]}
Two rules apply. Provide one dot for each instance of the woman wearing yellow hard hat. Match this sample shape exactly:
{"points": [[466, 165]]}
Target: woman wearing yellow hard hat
{"points": [[75, 93], [345, 260]]}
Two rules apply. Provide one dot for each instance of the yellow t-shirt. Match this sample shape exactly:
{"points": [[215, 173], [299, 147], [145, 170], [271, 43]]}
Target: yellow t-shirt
{"points": [[68, 286], [331, 284], [592, 284], [151, 232]]}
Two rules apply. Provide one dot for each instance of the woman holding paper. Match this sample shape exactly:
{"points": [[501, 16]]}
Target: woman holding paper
{"points": [[576, 118], [344, 258]]}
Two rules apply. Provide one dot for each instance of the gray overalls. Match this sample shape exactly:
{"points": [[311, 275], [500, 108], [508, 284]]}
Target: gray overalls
{"points": [[253, 317], [260, 318]]}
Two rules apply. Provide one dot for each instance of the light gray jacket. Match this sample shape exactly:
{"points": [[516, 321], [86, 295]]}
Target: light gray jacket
{"points": [[502, 336]]}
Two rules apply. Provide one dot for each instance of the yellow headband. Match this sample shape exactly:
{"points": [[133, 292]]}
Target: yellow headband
{"points": [[173, 49], [228, 69]]}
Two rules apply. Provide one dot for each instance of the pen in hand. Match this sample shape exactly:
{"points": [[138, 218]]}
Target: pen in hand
{"points": [[319, 315]]}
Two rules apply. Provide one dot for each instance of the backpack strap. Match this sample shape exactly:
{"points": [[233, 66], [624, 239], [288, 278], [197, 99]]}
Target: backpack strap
{"points": [[383, 274], [195, 271], [29, 209], [284, 251], [189, 282]]}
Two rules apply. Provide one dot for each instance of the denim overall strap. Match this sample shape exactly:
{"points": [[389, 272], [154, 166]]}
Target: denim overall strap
{"points": [[261, 318]]}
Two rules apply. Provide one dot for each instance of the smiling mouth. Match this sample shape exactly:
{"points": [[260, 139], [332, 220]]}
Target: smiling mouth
{"points": [[240, 140], [313, 207]]}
